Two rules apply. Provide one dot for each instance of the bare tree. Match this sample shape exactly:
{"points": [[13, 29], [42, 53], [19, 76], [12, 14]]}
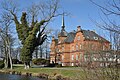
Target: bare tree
{"points": [[111, 8]]}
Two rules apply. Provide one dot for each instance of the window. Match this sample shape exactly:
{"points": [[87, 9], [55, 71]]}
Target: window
{"points": [[81, 55], [96, 38], [103, 47], [72, 48], [92, 46], [72, 57], [72, 64], [76, 47], [76, 57], [85, 57], [62, 48], [78, 38], [62, 57], [80, 46]]}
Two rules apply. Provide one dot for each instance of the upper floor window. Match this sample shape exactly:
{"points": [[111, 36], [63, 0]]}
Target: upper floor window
{"points": [[76, 57], [78, 38], [103, 47], [62, 48], [72, 57], [72, 48], [62, 57], [76, 47], [80, 46], [92, 46], [81, 56]]}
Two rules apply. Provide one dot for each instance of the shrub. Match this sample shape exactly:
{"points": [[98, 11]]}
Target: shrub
{"points": [[58, 65], [40, 61], [20, 62], [1, 64], [15, 61]]}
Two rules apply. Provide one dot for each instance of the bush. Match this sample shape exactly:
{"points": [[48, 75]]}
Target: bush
{"points": [[20, 62], [58, 65], [15, 61], [40, 61], [1, 64]]}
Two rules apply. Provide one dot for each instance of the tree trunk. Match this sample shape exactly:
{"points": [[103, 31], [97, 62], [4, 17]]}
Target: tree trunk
{"points": [[6, 57], [27, 65], [9, 53]]}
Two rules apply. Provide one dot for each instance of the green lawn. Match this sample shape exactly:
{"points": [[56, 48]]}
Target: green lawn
{"points": [[66, 72], [75, 73]]}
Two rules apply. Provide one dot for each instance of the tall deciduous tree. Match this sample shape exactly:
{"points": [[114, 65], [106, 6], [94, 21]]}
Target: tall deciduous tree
{"points": [[31, 34], [6, 37], [111, 12]]}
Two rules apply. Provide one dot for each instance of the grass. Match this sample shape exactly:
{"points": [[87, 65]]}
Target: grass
{"points": [[75, 73], [68, 72]]}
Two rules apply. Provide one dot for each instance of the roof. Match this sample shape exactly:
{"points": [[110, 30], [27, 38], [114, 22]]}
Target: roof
{"points": [[56, 40], [63, 33], [70, 37], [89, 35]]}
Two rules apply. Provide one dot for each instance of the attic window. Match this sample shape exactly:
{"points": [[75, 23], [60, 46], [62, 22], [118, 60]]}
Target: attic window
{"points": [[96, 38]]}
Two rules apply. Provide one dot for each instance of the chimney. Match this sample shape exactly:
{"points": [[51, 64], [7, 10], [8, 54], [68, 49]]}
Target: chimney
{"points": [[79, 28]]}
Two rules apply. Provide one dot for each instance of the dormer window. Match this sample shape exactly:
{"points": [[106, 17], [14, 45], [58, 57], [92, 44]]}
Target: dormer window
{"points": [[95, 38]]}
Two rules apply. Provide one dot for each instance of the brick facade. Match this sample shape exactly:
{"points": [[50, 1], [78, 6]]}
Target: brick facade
{"points": [[70, 49]]}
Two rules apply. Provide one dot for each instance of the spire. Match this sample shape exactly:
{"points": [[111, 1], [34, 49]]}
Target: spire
{"points": [[63, 32], [63, 24]]}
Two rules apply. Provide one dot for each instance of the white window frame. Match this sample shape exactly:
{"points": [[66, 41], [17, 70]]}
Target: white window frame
{"points": [[76, 47], [72, 57], [78, 38], [76, 57], [80, 46], [62, 57], [72, 48]]}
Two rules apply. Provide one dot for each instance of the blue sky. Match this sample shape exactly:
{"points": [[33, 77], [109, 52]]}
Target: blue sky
{"points": [[80, 13]]}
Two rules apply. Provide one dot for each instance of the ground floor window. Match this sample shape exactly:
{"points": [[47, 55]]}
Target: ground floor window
{"points": [[72, 64]]}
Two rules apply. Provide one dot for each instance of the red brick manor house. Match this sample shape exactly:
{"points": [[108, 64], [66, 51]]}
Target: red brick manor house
{"points": [[77, 47]]}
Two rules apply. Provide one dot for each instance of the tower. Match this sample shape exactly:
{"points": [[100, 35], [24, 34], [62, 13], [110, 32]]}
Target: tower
{"points": [[63, 34]]}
